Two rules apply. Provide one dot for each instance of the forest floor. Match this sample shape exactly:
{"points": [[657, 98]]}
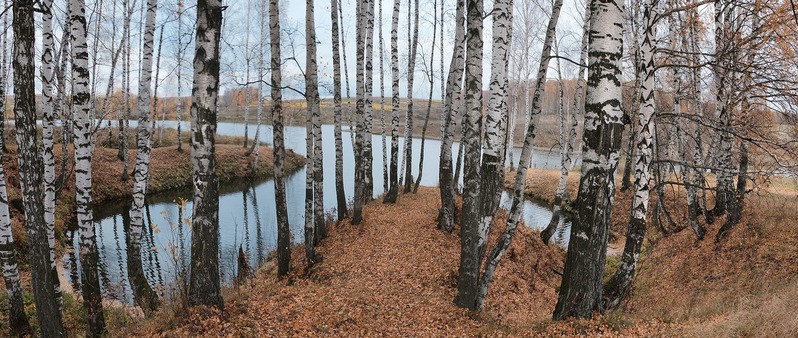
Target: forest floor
{"points": [[395, 275], [169, 170]]}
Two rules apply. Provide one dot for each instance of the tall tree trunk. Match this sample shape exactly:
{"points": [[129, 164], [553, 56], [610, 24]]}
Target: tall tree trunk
{"points": [[179, 75], [472, 131], [368, 156], [446, 215], [492, 153], [255, 147], [495, 255], [431, 77], [283, 229], [385, 185], [581, 290], [360, 185], [84, 147], [314, 102], [125, 112], [247, 60], [343, 210], [204, 287], [722, 147], [17, 317], [48, 125], [143, 294], [411, 69], [617, 288], [393, 190]]}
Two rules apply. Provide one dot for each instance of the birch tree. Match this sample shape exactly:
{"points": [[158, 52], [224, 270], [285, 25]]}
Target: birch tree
{"points": [[48, 122], [447, 212], [368, 157], [411, 69], [492, 151], [617, 289], [495, 255], [144, 296], [393, 190], [360, 185], [281, 209], [581, 290], [179, 67], [204, 287], [472, 131], [17, 317], [318, 230], [343, 209], [385, 185], [84, 148]]}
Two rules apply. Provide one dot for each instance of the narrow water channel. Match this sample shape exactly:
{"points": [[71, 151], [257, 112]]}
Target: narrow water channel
{"points": [[247, 215]]}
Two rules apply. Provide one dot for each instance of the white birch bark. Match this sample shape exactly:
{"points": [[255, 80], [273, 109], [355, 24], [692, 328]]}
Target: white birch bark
{"points": [[281, 209], [84, 148], [340, 195], [581, 289], [48, 121], [143, 294], [393, 190], [204, 281], [411, 69]]}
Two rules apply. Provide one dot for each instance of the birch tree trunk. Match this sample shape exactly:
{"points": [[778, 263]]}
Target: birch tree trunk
{"points": [[124, 114], [84, 147], [581, 290], [411, 69], [48, 121], [385, 185], [492, 151], [319, 230], [360, 186], [247, 60], [17, 318], [204, 287], [31, 170], [343, 209], [261, 97], [368, 157], [143, 294], [722, 149], [617, 288], [393, 190], [179, 75], [495, 255], [446, 215], [283, 229], [472, 131]]}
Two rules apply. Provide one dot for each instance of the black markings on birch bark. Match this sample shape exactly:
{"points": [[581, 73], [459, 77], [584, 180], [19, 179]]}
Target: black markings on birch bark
{"points": [[283, 229]]}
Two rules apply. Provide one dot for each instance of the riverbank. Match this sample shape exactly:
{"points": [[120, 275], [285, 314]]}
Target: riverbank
{"points": [[169, 170], [395, 274]]}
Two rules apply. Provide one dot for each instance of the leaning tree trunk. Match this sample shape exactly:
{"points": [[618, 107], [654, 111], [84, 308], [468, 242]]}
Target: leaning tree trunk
{"points": [[393, 190], [17, 317], [143, 294], [255, 147], [312, 92], [343, 210], [204, 287], [472, 131], [446, 215], [617, 288], [411, 69], [48, 124], [495, 255], [283, 229], [84, 147], [566, 160], [31, 170], [581, 290], [429, 100]]}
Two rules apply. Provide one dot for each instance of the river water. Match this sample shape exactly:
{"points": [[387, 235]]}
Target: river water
{"points": [[247, 214]]}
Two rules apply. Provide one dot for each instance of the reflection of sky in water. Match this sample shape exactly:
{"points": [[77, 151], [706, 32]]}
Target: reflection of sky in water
{"points": [[247, 215]]}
